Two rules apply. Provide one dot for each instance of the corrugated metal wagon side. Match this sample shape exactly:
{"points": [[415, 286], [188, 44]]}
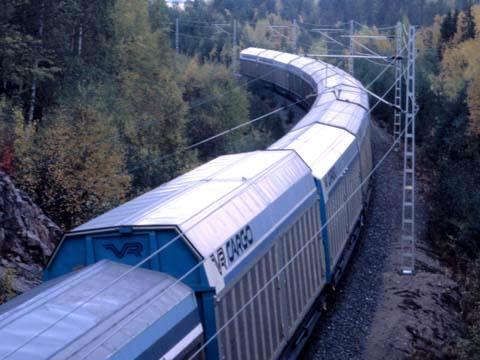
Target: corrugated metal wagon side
{"points": [[294, 261], [227, 219], [237, 250]]}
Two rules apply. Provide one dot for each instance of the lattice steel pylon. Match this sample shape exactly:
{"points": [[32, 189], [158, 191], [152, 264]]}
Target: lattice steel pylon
{"points": [[397, 124], [408, 207]]}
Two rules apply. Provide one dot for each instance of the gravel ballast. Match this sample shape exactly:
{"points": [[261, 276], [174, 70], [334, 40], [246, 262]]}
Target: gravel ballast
{"points": [[376, 312], [341, 332]]}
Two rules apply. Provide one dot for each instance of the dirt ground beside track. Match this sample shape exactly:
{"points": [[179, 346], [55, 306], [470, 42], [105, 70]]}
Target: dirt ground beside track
{"points": [[378, 313], [417, 316]]}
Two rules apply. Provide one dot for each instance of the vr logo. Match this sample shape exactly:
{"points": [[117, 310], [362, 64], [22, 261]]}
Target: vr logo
{"points": [[134, 248]]}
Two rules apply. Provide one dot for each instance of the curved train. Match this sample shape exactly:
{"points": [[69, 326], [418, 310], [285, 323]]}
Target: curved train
{"points": [[254, 238]]}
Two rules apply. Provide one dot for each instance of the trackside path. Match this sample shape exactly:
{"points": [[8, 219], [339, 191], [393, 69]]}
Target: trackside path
{"points": [[377, 313]]}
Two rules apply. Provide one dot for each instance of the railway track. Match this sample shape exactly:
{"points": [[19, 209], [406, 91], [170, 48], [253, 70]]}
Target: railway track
{"points": [[256, 237], [375, 312], [342, 332]]}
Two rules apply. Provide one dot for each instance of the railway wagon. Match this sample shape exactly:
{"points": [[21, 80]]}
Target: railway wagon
{"points": [[334, 158], [255, 236], [282, 70], [236, 221], [161, 324], [334, 140]]}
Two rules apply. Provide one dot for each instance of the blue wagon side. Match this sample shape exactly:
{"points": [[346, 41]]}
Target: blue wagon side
{"points": [[144, 315], [251, 239]]}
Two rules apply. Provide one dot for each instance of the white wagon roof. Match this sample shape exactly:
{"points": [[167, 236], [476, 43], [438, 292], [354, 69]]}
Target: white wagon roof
{"points": [[252, 51], [301, 62], [215, 201], [313, 68], [341, 102], [332, 110], [63, 319], [285, 58], [324, 148], [269, 54]]}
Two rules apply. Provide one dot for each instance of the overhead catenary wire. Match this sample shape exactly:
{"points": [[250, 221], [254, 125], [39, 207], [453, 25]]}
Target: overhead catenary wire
{"points": [[362, 46], [383, 71], [365, 47], [378, 28], [268, 114], [320, 31], [198, 104], [338, 24], [366, 58], [189, 272], [206, 23], [189, 24], [221, 95], [221, 134], [330, 39], [342, 26], [377, 63], [206, 37], [218, 135], [163, 247], [209, 24], [387, 66], [325, 30], [305, 246], [213, 23], [225, 132]]}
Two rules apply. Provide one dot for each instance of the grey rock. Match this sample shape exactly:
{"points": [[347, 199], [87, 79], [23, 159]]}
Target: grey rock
{"points": [[27, 237]]}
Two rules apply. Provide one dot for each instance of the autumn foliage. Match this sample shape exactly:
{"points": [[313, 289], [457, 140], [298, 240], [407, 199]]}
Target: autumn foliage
{"points": [[449, 121], [93, 110]]}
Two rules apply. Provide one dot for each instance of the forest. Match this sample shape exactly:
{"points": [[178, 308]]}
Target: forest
{"points": [[96, 105]]}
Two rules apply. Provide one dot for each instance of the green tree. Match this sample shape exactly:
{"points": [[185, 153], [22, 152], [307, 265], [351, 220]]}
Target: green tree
{"points": [[73, 166], [149, 109], [225, 107]]}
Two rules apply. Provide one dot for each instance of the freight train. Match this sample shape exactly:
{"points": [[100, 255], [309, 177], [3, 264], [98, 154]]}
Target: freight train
{"points": [[246, 243]]}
